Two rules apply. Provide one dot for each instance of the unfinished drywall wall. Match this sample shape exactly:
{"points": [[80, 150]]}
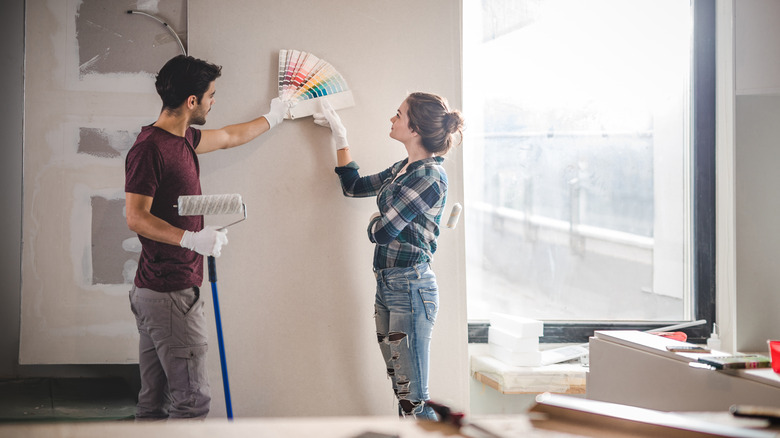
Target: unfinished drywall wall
{"points": [[105, 38], [295, 281], [89, 88]]}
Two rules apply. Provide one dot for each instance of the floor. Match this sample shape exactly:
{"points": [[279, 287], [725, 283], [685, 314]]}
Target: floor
{"points": [[65, 399]]}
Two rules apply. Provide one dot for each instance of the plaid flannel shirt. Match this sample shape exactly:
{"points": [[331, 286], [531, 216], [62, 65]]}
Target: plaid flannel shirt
{"points": [[410, 207]]}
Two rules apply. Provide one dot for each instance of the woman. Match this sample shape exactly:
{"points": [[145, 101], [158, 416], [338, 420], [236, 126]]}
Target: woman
{"points": [[411, 195]]}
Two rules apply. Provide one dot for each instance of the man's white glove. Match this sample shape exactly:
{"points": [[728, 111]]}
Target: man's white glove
{"points": [[277, 112], [208, 241], [329, 119]]}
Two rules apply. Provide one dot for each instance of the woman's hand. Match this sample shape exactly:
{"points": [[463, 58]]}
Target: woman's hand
{"points": [[329, 119]]}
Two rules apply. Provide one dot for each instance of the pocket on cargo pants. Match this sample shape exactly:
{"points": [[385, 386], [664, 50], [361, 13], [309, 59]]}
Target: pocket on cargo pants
{"points": [[189, 382]]}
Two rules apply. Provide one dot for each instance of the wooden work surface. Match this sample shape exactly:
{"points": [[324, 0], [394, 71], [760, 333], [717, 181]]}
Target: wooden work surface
{"points": [[557, 378], [578, 388]]}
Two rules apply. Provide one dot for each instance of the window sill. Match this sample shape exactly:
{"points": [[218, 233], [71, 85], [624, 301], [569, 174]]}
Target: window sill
{"points": [[564, 378]]}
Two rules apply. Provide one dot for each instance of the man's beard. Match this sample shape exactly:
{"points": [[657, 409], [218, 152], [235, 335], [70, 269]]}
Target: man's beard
{"points": [[198, 119]]}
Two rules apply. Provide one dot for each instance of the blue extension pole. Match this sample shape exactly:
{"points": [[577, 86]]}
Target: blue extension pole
{"points": [[223, 363]]}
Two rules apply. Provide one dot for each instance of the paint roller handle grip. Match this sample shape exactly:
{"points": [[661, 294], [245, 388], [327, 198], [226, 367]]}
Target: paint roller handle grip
{"points": [[212, 269]]}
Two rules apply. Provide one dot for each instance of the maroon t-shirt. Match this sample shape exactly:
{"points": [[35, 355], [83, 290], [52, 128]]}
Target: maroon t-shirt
{"points": [[164, 166]]}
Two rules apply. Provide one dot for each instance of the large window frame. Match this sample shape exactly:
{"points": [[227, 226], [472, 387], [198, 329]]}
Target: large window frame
{"points": [[703, 200]]}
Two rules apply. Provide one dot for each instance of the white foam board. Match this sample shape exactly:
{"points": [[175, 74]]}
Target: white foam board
{"points": [[516, 359], [511, 341], [517, 325]]}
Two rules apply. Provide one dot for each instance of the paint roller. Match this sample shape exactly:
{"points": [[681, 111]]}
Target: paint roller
{"points": [[201, 205], [452, 222]]}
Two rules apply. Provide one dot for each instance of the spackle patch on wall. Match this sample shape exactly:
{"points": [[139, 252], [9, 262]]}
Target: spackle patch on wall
{"points": [[110, 41], [114, 257], [105, 143]]}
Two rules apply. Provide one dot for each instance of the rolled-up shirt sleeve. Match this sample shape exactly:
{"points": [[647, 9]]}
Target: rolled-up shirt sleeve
{"points": [[355, 186]]}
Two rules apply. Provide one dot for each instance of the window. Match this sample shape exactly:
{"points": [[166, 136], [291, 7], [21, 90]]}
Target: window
{"points": [[590, 142]]}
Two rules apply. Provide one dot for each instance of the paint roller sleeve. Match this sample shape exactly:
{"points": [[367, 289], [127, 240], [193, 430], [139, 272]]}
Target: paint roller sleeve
{"points": [[210, 204], [454, 215]]}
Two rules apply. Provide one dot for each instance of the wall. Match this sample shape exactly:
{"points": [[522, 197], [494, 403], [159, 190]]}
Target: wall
{"points": [[302, 265], [757, 109], [85, 100], [296, 287], [13, 51], [757, 212]]}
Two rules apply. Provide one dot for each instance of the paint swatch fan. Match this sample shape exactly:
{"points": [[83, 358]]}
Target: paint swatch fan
{"points": [[304, 79]]}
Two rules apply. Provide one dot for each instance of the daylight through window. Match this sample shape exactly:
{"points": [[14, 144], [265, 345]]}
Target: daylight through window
{"points": [[578, 157]]}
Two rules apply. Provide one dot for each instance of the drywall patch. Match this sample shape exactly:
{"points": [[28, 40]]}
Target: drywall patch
{"points": [[111, 41], [104, 143], [114, 257]]}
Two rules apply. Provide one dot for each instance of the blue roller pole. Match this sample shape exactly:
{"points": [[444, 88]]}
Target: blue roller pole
{"points": [[223, 363]]}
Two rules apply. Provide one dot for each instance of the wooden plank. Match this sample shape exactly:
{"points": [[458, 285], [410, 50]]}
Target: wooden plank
{"points": [[487, 380]]}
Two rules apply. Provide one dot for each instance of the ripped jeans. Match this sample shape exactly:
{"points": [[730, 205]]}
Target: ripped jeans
{"points": [[407, 301]]}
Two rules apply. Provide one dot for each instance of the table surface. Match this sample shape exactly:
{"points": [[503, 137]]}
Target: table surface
{"points": [[657, 345], [324, 427], [530, 425]]}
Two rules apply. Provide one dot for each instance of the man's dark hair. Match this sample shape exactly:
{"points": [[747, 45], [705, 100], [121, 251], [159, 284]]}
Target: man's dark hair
{"points": [[184, 76]]}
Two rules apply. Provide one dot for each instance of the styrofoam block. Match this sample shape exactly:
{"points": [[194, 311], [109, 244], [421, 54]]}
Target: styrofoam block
{"points": [[511, 341], [517, 325], [513, 358]]}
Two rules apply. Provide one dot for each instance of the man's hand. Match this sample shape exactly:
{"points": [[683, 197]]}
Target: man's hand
{"points": [[208, 241], [277, 112]]}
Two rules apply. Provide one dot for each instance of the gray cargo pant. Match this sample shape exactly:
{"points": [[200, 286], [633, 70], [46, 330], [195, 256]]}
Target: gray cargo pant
{"points": [[171, 354]]}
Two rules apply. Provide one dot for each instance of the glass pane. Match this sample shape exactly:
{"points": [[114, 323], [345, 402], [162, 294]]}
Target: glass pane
{"points": [[577, 153]]}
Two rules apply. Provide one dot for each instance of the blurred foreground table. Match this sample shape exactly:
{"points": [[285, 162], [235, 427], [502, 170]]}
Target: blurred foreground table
{"points": [[326, 427], [553, 416]]}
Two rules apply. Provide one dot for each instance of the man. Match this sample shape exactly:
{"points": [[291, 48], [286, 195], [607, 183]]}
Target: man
{"points": [[165, 297]]}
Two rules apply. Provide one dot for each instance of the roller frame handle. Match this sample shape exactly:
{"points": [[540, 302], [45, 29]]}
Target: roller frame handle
{"points": [[223, 362]]}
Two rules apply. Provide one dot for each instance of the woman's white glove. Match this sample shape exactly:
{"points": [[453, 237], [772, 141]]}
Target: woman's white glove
{"points": [[208, 241], [278, 110], [329, 119]]}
